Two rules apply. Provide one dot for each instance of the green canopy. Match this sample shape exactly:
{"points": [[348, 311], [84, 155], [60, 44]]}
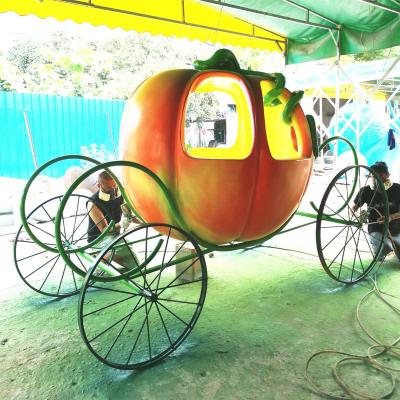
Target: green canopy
{"points": [[305, 29], [313, 26]]}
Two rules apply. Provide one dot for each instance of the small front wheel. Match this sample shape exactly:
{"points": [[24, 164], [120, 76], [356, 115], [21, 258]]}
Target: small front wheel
{"points": [[42, 269]]}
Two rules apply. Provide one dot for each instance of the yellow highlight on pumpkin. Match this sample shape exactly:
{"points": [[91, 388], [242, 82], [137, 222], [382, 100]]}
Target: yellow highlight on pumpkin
{"points": [[234, 87]]}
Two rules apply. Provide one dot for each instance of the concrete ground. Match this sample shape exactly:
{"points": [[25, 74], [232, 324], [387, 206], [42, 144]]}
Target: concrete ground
{"points": [[266, 312]]}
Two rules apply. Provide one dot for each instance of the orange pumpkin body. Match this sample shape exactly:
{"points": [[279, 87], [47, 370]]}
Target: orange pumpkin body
{"points": [[220, 200]]}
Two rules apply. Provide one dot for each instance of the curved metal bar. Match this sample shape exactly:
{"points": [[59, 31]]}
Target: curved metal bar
{"points": [[171, 203], [241, 245], [137, 271], [128, 201], [173, 209], [313, 132], [133, 273], [124, 193], [27, 187], [353, 150], [358, 223], [103, 234]]}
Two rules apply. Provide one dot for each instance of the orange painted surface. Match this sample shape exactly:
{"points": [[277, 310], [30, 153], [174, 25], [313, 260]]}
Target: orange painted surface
{"points": [[220, 200]]}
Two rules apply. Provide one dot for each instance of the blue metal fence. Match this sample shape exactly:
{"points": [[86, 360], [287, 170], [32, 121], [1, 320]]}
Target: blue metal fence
{"points": [[58, 125]]}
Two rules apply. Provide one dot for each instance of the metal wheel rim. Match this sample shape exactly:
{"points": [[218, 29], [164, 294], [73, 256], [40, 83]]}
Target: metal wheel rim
{"points": [[321, 213], [88, 285], [56, 257]]}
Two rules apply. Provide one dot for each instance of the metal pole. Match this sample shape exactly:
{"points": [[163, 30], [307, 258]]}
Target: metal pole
{"points": [[337, 95], [28, 131]]}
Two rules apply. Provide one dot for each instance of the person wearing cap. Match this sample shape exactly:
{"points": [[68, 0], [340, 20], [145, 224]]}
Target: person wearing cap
{"points": [[371, 196]]}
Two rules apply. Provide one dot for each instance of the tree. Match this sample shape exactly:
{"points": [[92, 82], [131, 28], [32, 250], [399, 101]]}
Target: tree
{"points": [[23, 54], [378, 54], [70, 64]]}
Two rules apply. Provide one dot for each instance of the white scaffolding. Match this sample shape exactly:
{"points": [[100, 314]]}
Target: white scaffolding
{"points": [[331, 85]]}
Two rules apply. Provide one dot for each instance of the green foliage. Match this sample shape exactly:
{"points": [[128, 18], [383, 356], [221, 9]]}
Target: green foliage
{"points": [[23, 54], [5, 86], [70, 64], [378, 54], [201, 107]]}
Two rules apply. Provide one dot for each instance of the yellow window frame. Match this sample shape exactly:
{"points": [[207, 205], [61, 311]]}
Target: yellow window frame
{"points": [[234, 86]]}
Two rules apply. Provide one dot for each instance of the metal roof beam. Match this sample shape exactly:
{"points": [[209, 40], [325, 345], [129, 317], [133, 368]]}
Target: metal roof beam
{"points": [[267, 14], [376, 4], [182, 22], [308, 11]]}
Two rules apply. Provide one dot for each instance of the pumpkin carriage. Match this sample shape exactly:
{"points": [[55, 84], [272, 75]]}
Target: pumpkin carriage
{"points": [[193, 198]]}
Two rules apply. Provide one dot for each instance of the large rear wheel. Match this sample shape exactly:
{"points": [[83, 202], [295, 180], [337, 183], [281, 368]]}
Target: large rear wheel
{"points": [[342, 236], [153, 302]]}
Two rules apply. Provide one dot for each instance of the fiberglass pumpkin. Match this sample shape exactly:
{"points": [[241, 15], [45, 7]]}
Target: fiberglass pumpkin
{"points": [[216, 138]]}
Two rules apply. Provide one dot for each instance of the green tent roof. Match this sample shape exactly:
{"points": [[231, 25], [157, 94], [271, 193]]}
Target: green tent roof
{"points": [[312, 26]]}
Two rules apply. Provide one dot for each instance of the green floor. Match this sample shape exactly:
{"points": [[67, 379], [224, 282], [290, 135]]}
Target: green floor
{"points": [[266, 312]]}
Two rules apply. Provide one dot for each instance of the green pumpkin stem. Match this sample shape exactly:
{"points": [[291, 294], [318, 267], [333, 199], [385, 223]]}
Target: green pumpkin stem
{"points": [[221, 59]]}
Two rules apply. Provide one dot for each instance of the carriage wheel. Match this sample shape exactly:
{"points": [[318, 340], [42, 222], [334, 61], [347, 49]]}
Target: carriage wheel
{"points": [[342, 238], [41, 269], [154, 301], [50, 168]]}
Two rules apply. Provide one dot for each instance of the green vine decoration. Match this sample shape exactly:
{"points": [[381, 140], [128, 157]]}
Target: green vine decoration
{"points": [[224, 59]]}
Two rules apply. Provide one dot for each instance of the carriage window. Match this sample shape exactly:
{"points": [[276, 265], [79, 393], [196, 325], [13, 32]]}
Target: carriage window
{"points": [[218, 119], [285, 142]]}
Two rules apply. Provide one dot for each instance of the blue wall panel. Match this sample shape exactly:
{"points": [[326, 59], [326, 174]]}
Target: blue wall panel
{"points": [[59, 126]]}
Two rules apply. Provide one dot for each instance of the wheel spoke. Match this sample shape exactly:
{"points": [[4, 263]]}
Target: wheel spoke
{"points": [[31, 256], [344, 246], [163, 324], [163, 267], [121, 330], [50, 218], [334, 238], [51, 270], [41, 230], [110, 290], [355, 257], [56, 281], [159, 323], [147, 324], [110, 305], [180, 284], [57, 256], [166, 308], [137, 337], [115, 323], [179, 275], [62, 277], [177, 301]]}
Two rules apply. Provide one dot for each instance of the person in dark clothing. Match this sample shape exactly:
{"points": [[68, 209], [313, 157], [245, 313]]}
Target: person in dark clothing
{"points": [[374, 199], [104, 206]]}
